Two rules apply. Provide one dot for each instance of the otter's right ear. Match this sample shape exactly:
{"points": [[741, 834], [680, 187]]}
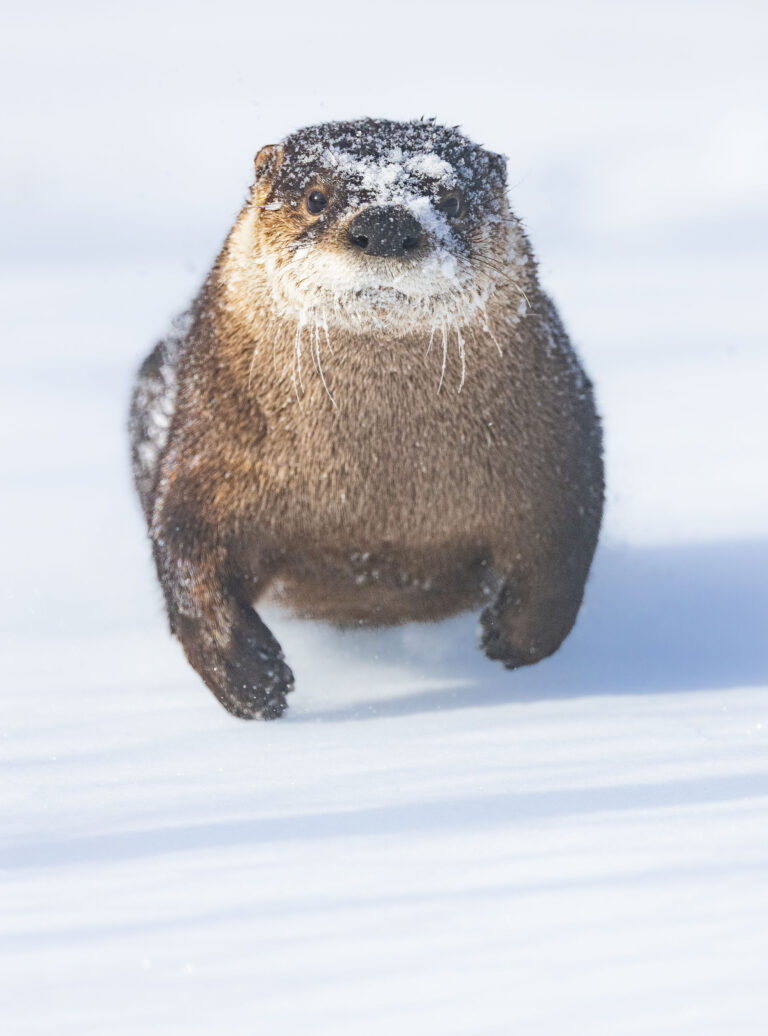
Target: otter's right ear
{"points": [[499, 164], [268, 161]]}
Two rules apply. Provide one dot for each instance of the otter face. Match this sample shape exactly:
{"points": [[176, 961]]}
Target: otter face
{"points": [[381, 224]]}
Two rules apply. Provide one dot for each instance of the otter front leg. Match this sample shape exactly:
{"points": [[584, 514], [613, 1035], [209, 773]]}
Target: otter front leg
{"points": [[533, 613], [210, 611]]}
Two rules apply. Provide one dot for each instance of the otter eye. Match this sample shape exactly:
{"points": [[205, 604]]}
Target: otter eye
{"points": [[451, 204], [316, 202]]}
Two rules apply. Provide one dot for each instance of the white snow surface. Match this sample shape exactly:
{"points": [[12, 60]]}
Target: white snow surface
{"points": [[425, 844]]}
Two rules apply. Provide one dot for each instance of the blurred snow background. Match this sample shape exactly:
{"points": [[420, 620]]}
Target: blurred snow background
{"points": [[425, 843]]}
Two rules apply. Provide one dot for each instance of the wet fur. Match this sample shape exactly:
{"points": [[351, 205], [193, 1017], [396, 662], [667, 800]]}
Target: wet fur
{"points": [[423, 458]]}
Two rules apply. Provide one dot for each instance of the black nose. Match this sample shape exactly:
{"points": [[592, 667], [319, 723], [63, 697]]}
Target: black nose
{"points": [[385, 230]]}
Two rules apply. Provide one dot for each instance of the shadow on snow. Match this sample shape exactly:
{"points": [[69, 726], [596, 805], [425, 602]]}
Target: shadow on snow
{"points": [[654, 619]]}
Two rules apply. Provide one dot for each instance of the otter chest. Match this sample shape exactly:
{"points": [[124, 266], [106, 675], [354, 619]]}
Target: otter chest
{"points": [[372, 470]]}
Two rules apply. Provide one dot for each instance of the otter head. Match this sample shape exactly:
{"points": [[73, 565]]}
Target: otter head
{"points": [[377, 224]]}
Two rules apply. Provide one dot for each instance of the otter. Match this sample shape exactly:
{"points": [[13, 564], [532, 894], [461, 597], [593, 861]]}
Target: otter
{"points": [[371, 413]]}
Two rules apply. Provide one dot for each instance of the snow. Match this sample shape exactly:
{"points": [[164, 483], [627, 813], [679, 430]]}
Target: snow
{"points": [[383, 174], [425, 843], [433, 166]]}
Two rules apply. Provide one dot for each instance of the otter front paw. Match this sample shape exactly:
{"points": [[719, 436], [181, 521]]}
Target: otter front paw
{"points": [[505, 633], [248, 673], [257, 676], [495, 642]]}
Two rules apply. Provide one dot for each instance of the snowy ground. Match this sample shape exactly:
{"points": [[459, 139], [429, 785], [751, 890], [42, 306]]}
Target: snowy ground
{"points": [[425, 844]]}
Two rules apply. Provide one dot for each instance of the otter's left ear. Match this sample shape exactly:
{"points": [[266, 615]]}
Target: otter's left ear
{"points": [[268, 161]]}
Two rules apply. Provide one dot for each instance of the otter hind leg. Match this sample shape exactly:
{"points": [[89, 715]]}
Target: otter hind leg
{"points": [[152, 405]]}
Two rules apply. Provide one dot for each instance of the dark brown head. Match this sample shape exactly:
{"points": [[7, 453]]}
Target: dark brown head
{"points": [[379, 223]]}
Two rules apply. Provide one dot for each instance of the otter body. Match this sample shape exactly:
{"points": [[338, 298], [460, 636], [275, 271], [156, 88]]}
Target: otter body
{"points": [[371, 414]]}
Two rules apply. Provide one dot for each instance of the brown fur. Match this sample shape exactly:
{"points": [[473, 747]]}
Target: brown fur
{"points": [[354, 490]]}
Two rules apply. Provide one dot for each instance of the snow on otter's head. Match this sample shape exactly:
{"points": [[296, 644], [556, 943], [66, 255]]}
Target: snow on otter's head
{"points": [[375, 223]]}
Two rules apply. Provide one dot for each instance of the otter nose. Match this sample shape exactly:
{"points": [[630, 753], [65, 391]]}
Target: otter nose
{"points": [[385, 230]]}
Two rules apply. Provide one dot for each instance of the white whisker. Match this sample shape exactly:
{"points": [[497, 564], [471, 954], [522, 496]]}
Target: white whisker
{"points": [[445, 357], [431, 339], [462, 356], [297, 347], [489, 330], [324, 326], [319, 364]]}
